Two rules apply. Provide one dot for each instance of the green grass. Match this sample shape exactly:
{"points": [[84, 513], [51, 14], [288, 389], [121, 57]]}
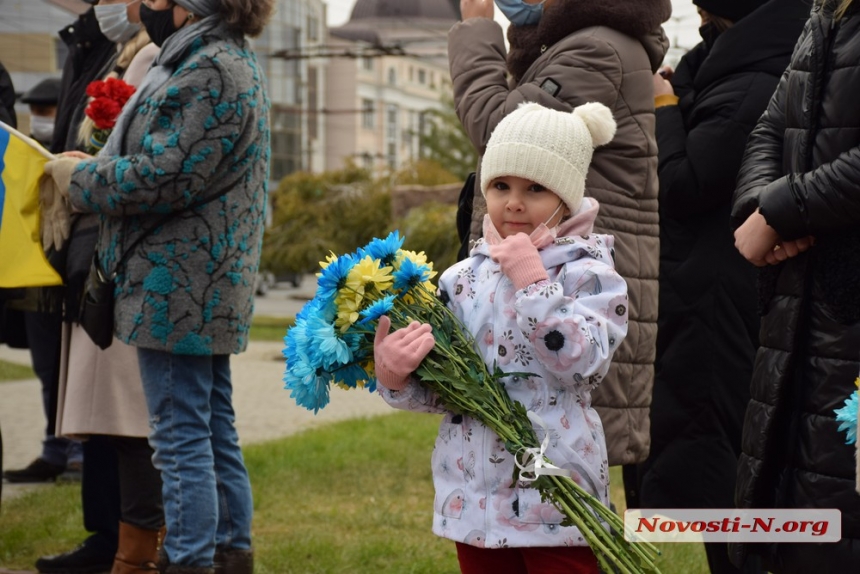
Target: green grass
{"points": [[265, 328], [15, 372], [350, 497]]}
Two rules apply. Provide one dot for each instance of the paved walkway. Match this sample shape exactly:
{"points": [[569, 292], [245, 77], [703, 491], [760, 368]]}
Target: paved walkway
{"points": [[264, 410]]}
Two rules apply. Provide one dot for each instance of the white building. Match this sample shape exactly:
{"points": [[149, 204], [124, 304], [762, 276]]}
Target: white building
{"points": [[387, 66]]}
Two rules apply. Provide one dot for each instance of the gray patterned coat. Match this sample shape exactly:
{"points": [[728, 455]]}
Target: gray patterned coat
{"points": [[188, 287]]}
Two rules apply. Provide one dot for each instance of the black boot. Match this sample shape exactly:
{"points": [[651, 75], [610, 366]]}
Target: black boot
{"points": [[93, 556], [234, 561], [40, 470]]}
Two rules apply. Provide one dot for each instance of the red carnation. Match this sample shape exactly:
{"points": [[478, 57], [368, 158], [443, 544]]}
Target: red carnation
{"points": [[103, 112], [96, 89], [118, 91]]}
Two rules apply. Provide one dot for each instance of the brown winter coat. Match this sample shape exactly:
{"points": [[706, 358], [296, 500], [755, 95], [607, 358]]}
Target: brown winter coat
{"points": [[603, 52]]}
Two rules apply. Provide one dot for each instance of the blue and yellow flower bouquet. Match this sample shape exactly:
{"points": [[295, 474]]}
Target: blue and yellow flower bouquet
{"points": [[331, 343]]}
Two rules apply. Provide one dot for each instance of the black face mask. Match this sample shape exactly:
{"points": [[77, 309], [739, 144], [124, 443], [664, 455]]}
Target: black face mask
{"points": [[709, 33], [158, 23]]}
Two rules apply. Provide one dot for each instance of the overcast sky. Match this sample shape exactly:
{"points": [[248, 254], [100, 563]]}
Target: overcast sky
{"points": [[683, 28]]}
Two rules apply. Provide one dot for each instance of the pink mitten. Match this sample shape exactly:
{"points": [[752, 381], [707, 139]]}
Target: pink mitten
{"points": [[519, 260], [400, 353]]}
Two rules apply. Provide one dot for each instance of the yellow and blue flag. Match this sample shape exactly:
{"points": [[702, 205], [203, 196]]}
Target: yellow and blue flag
{"points": [[22, 260]]}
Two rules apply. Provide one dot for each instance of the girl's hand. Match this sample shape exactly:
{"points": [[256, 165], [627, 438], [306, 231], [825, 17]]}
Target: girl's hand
{"points": [[398, 354], [757, 241], [519, 260], [477, 9]]}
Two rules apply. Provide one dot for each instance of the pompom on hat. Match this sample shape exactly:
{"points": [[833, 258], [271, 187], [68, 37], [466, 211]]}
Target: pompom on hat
{"points": [[548, 147]]}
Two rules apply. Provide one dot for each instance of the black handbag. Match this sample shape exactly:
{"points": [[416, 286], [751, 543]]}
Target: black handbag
{"points": [[97, 313]]}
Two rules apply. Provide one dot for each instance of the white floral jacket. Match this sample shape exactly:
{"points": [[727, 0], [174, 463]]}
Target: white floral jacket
{"points": [[564, 330]]}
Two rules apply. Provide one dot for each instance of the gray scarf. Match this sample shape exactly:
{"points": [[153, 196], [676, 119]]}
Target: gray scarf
{"points": [[173, 50]]}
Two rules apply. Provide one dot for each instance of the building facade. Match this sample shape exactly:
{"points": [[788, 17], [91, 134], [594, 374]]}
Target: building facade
{"points": [[296, 85], [30, 48], [387, 66]]}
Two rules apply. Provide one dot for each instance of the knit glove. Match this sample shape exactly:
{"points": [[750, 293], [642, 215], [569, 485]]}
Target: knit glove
{"points": [[519, 260], [398, 354], [54, 201]]}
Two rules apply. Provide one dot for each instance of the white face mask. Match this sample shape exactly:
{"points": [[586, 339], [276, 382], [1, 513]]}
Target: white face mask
{"points": [[42, 129], [114, 24]]}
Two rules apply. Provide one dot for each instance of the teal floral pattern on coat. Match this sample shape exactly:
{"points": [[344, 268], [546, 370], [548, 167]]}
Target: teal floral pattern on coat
{"points": [[188, 286]]}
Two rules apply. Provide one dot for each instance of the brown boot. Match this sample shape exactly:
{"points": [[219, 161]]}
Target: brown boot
{"points": [[137, 552], [234, 561]]}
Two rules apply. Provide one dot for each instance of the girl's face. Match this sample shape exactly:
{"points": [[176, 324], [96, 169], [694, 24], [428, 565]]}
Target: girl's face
{"points": [[518, 205], [180, 14]]}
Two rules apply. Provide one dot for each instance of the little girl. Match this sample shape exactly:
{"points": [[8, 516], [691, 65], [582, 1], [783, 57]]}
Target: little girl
{"points": [[540, 295]]}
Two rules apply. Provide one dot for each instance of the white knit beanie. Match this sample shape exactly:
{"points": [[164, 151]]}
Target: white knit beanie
{"points": [[548, 147]]}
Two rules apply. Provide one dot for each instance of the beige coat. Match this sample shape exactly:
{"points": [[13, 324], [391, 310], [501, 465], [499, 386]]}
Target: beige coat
{"points": [[101, 392], [592, 64]]}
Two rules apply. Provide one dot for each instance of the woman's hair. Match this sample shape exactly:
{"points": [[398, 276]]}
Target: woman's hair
{"points": [[841, 8], [247, 16]]}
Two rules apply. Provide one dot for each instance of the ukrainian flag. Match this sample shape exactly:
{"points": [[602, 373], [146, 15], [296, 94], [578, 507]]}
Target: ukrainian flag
{"points": [[22, 260]]}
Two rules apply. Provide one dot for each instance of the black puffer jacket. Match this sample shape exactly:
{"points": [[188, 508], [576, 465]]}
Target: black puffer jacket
{"points": [[707, 324], [802, 169]]}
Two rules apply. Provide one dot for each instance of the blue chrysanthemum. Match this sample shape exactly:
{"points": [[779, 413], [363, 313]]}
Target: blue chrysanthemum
{"points": [[297, 344], [410, 274], [847, 415], [327, 345], [350, 374], [333, 277], [383, 249], [307, 388], [379, 308]]}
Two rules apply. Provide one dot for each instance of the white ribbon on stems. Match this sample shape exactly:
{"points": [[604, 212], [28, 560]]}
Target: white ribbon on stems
{"points": [[535, 463]]}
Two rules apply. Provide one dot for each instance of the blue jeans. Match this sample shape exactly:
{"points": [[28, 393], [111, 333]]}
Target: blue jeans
{"points": [[207, 494]]}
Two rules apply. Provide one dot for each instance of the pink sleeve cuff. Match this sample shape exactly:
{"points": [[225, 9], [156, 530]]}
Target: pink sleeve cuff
{"points": [[390, 380], [526, 271]]}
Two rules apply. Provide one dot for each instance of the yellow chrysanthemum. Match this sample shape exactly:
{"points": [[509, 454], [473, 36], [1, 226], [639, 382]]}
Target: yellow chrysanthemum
{"points": [[348, 306], [419, 258], [329, 259], [369, 271]]}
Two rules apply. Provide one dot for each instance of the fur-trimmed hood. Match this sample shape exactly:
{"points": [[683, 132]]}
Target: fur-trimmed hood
{"points": [[637, 18]]}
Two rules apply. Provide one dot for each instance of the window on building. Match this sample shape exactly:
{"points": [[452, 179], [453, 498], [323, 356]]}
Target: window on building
{"points": [[392, 76], [286, 141], [422, 76], [432, 80], [391, 140], [367, 63], [313, 107], [313, 28], [411, 74], [368, 114], [422, 130], [367, 161]]}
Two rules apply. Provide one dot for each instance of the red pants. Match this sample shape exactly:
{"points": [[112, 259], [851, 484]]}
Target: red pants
{"points": [[556, 560]]}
